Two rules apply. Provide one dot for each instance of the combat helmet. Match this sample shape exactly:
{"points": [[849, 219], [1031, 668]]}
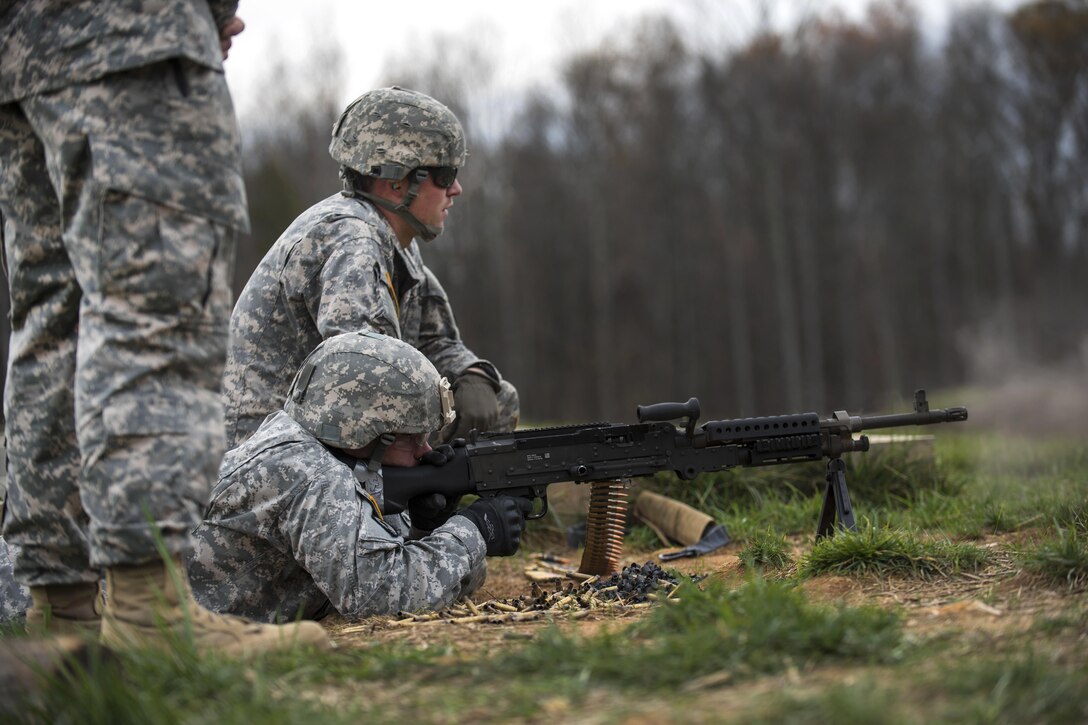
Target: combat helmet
{"points": [[358, 387], [389, 133]]}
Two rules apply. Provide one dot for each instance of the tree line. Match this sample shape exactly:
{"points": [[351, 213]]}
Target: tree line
{"points": [[825, 217], [815, 218]]}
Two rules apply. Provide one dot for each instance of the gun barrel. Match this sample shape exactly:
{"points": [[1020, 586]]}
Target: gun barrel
{"points": [[896, 420]]}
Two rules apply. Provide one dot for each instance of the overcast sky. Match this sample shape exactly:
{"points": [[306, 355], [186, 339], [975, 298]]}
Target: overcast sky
{"points": [[527, 38]]}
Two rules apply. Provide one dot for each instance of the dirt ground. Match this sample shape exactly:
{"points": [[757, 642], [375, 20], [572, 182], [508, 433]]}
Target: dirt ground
{"points": [[994, 601]]}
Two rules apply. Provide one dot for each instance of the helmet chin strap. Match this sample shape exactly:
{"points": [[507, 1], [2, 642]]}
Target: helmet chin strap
{"points": [[426, 232], [384, 441], [368, 471]]}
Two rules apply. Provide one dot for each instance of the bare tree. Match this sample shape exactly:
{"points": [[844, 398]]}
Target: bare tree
{"points": [[831, 214], [285, 143]]}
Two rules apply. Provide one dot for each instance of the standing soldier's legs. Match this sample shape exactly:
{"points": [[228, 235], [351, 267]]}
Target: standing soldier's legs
{"points": [[145, 166], [43, 516], [145, 171]]}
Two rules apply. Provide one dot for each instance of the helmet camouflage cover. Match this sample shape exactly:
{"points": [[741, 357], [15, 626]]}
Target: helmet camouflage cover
{"points": [[357, 386], [390, 131]]}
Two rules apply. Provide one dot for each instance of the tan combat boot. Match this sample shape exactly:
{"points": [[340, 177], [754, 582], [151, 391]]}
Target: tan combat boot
{"points": [[64, 609], [151, 605]]}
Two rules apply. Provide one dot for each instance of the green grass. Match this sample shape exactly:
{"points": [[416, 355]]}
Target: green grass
{"points": [[867, 701], [766, 551], [792, 515], [763, 647], [146, 686], [1071, 515], [761, 627], [1023, 688], [883, 552], [1062, 559], [1020, 688], [643, 538]]}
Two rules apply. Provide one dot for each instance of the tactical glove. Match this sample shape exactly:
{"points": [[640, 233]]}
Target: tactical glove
{"points": [[430, 511], [500, 520], [439, 455], [476, 403]]}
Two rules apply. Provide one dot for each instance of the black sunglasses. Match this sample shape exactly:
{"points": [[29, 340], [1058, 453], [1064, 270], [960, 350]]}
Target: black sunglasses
{"points": [[442, 176]]}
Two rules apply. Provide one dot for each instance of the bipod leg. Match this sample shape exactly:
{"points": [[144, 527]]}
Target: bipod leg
{"points": [[837, 508]]}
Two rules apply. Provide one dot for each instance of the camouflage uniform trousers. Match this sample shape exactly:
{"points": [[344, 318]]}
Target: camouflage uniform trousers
{"points": [[14, 598], [121, 199]]}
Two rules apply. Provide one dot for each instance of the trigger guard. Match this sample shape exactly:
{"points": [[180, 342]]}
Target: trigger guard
{"points": [[534, 515]]}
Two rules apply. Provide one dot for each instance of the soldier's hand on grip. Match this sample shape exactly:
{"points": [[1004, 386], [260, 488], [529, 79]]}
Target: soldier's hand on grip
{"points": [[431, 511], [438, 456], [501, 520]]}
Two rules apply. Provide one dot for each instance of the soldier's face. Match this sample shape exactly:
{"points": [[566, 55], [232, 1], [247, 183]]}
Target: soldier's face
{"points": [[406, 450], [432, 205]]}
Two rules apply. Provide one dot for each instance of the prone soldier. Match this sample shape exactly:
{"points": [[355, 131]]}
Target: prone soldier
{"points": [[295, 524]]}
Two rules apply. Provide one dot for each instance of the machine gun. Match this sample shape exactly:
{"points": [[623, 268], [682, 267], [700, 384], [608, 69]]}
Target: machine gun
{"points": [[525, 462]]}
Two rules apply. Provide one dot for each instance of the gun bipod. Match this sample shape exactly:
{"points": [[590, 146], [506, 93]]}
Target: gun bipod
{"points": [[836, 509]]}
